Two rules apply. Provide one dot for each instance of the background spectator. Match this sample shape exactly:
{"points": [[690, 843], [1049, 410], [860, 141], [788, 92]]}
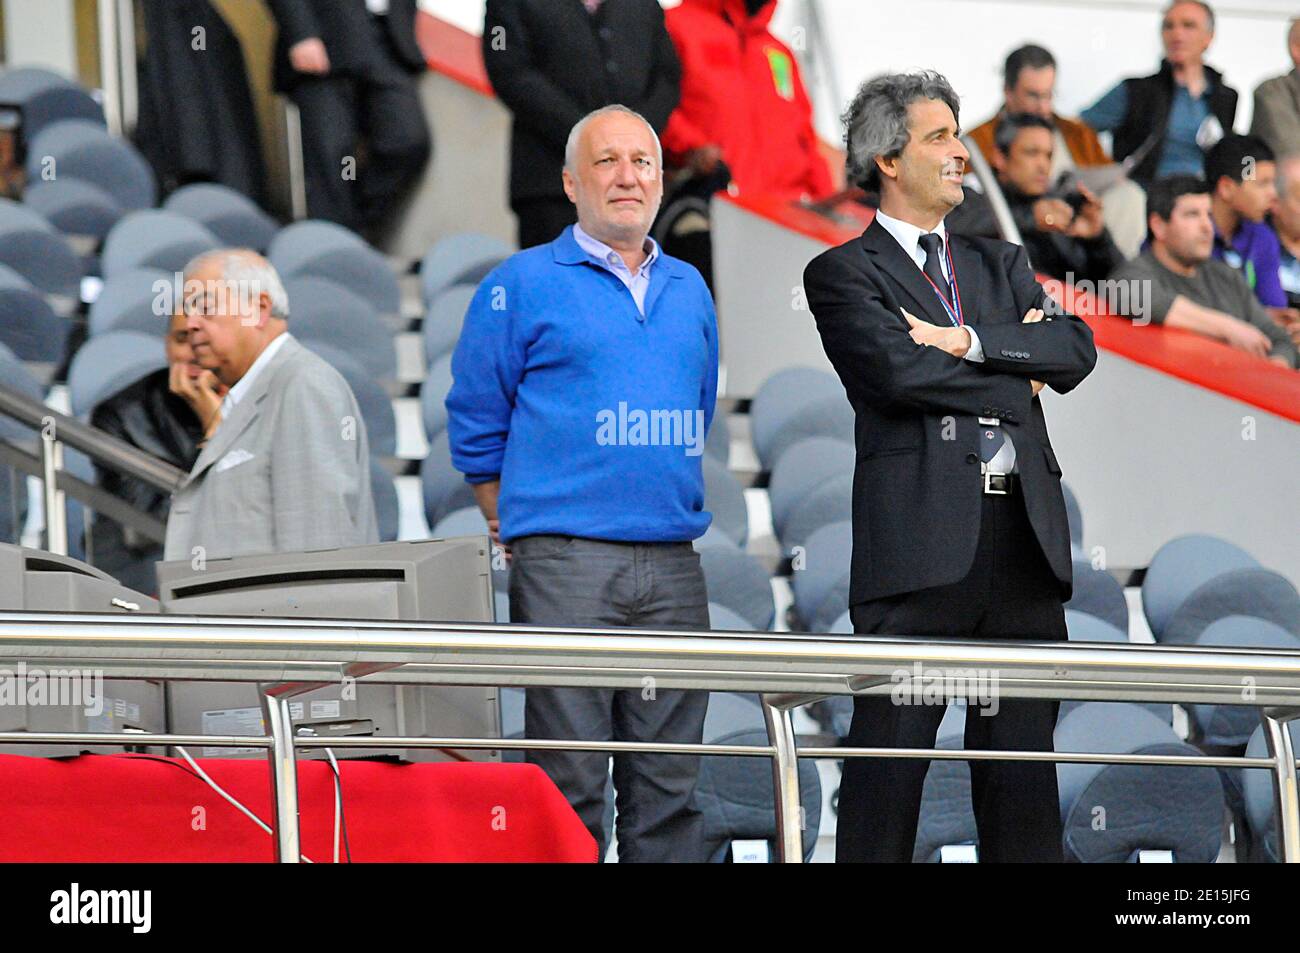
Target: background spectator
{"points": [[1240, 173], [1175, 281], [1029, 87], [1162, 122], [1276, 118], [1286, 221], [1062, 239], [348, 65], [552, 63]]}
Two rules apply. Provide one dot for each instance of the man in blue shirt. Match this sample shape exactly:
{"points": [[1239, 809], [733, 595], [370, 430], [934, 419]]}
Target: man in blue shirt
{"points": [[585, 380]]}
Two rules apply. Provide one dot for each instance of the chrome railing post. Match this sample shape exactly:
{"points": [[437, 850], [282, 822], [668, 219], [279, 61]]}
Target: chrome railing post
{"points": [[1285, 802], [56, 514], [284, 775], [785, 779]]}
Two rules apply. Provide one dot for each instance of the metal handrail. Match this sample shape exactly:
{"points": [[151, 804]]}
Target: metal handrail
{"points": [[290, 656]]}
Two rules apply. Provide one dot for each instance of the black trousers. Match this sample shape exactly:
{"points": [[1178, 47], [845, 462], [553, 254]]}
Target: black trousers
{"points": [[379, 106], [564, 580], [1010, 593], [542, 220]]}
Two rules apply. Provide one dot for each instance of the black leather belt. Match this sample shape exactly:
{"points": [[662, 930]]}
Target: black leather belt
{"points": [[998, 484]]}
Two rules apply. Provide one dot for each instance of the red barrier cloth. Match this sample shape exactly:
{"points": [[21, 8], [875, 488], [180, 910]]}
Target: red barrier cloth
{"points": [[134, 808]]}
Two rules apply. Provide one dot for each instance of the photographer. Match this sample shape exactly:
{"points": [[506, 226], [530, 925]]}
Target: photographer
{"points": [[1062, 229]]}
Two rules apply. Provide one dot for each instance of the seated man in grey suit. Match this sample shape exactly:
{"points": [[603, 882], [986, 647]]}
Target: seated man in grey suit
{"points": [[288, 468]]}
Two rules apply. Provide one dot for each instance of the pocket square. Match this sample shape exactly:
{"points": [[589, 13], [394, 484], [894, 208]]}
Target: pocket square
{"points": [[233, 459]]}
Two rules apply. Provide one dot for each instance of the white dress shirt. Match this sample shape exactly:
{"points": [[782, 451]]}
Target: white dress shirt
{"points": [[377, 7], [237, 392], [908, 237]]}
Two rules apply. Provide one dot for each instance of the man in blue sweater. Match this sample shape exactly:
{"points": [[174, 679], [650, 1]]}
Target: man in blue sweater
{"points": [[585, 380]]}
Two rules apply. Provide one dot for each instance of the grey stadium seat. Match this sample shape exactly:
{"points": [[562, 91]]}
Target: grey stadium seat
{"points": [[443, 487], [444, 320], [739, 582], [1258, 790], [1154, 807], [131, 301], [1083, 627], [232, 216], [1230, 726], [729, 712], [831, 502], [465, 258], [718, 443], [46, 97], [36, 250], [801, 469], [782, 395], [1097, 593], [109, 362], [1179, 567], [827, 417], [946, 818], [725, 499], [1256, 592], [152, 238], [331, 251], [722, 619], [13, 484], [1074, 516], [75, 206], [321, 310], [466, 521], [433, 394], [384, 492], [821, 587], [376, 406], [81, 149], [28, 325]]}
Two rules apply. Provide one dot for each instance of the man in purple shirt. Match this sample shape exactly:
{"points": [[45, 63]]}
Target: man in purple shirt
{"points": [[1240, 172]]}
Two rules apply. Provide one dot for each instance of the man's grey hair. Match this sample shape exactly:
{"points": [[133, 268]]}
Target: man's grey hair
{"points": [[875, 124], [575, 134], [1209, 11], [248, 269]]}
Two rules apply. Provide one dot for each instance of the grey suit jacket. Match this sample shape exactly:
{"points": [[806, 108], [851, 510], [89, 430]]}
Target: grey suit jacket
{"points": [[287, 471], [1276, 119]]}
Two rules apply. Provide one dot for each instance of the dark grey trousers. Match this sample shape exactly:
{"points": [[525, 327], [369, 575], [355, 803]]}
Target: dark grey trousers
{"points": [[565, 580]]}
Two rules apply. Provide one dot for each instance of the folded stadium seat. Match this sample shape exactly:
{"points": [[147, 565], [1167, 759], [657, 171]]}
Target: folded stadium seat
{"points": [[730, 712], [714, 537], [843, 624], [1229, 727], [1084, 627], [46, 97], [725, 499], [74, 206], [109, 362], [782, 395], [13, 484], [461, 259], [1179, 567], [1256, 592], [1258, 792], [433, 397], [444, 319], [152, 238], [466, 521], [826, 417], [1110, 812], [83, 149], [1098, 594], [801, 469], [735, 796], [138, 299], [28, 325], [376, 406], [387, 510], [331, 251], [1074, 516], [501, 610], [323, 310], [831, 502], [722, 619], [947, 818], [718, 443], [443, 487], [232, 216], [32, 247], [738, 581], [821, 586]]}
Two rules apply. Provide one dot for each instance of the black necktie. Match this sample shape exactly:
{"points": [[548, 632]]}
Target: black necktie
{"points": [[933, 244]]}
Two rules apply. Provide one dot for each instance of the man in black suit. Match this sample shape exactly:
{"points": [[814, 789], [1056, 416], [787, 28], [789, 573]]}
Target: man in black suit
{"points": [[349, 65], [958, 519], [552, 62]]}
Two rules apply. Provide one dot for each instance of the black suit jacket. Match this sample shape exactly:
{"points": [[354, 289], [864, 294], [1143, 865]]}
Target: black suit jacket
{"points": [[917, 488], [551, 63], [344, 27]]}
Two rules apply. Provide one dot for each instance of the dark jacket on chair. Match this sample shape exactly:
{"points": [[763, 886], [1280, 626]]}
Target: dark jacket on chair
{"points": [[551, 63], [344, 27], [917, 488]]}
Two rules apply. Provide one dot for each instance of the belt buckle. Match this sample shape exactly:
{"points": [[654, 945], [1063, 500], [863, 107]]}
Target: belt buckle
{"points": [[1003, 480]]}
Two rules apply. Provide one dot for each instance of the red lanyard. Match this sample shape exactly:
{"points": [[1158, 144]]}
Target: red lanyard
{"points": [[955, 316]]}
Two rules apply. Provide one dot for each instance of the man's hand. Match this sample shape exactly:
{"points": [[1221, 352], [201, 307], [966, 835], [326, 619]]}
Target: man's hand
{"points": [[1052, 215], [309, 56], [1088, 223], [956, 341], [1245, 337], [202, 393]]}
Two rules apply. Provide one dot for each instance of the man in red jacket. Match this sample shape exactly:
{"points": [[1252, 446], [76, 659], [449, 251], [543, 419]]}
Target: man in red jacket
{"points": [[742, 101]]}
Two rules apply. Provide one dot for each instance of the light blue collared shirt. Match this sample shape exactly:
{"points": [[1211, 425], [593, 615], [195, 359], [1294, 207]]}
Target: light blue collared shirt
{"points": [[613, 262]]}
